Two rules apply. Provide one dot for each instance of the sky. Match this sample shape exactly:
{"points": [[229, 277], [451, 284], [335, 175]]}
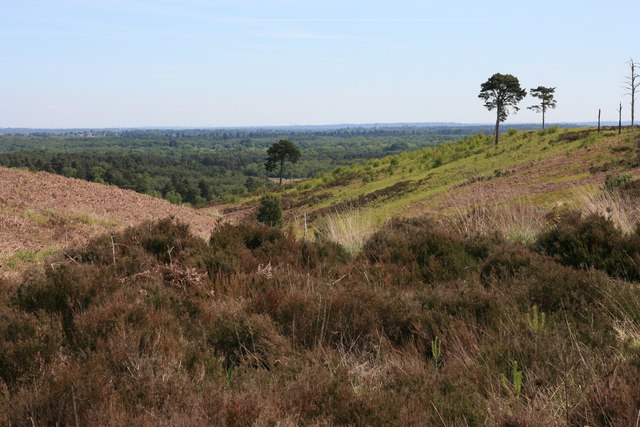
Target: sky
{"points": [[196, 63]]}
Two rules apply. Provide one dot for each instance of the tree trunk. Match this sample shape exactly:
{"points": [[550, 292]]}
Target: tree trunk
{"points": [[620, 119], [633, 91], [543, 110], [633, 101], [497, 125], [599, 111], [281, 171]]}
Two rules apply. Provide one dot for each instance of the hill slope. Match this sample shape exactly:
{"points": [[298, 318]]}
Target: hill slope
{"points": [[424, 326], [41, 212], [545, 167]]}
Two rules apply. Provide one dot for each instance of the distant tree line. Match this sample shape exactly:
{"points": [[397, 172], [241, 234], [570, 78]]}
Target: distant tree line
{"points": [[196, 166]]}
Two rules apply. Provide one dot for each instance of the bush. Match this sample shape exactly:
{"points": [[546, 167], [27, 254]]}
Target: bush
{"points": [[243, 247], [591, 242], [424, 250], [270, 212], [240, 338], [614, 182]]}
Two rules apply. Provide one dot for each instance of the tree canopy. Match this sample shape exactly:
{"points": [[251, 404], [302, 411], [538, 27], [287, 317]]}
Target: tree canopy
{"points": [[547, 100], [279, 153], [501, 92]]}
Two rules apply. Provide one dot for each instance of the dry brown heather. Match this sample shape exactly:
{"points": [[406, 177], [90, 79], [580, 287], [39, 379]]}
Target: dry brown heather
{"points": [[424, 327], [40, 210]]}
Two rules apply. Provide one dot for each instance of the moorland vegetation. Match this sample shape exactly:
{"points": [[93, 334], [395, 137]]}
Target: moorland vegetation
{"points": [[426, 325]]}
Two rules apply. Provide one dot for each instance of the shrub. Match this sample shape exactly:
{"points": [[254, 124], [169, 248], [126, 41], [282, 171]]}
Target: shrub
{"points": [[270, 212], [239, 337], [425, 250], [66, 291], [139, 248], [326, 340], [591, 242], [614, 182], [243, 247], [27, 345]]}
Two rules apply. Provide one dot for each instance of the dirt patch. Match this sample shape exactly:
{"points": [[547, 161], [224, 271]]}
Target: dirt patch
{"points": [[236, 213]]}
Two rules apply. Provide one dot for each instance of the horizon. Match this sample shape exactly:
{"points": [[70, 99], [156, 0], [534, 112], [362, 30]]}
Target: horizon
{"points": [[504, 127], [231, 64]]}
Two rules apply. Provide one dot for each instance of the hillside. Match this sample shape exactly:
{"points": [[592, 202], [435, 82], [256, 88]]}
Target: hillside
{"points": [[41, 213], [542, 168], [425, 321], [538, 164]]}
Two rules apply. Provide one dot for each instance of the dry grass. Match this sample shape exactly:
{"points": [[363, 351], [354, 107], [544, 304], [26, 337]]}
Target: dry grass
{"points": [[519, 220], [350, 229], [614, 205]]}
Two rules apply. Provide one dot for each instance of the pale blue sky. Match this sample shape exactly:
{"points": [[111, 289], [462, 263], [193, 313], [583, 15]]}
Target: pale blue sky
{"points": [[117, 63]]}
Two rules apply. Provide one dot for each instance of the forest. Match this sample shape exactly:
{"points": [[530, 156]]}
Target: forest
{"points": [[197, 166]]}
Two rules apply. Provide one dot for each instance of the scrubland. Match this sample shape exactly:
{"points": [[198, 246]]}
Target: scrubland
{"points": [[497, 311]]}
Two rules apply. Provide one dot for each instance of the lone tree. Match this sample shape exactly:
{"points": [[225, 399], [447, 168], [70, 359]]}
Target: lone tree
{"points": [[632, 84], [547, 101], [501, 92], [278, 153]]}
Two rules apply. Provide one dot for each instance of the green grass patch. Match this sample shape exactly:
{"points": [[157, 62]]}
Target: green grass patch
{"points": [[21, 259]]}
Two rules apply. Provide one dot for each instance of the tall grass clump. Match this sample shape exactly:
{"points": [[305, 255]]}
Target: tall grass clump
{"points": [[349, 228], [518, 221], [618, 204]]}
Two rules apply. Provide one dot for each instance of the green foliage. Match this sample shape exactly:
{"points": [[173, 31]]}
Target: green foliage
{"points": [[436, 350], [270, 212], [619, 181], [591, 242], [547, 100], [501, 92], [204, 165], [173, 197], [279, 153], [513, 383], [536, 319]]}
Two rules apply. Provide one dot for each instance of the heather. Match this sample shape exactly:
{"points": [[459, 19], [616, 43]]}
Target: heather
{"points": [[425, 325]]}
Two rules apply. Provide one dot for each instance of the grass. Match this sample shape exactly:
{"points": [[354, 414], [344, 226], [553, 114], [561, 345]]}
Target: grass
{"points": [[519, 221], [543, 164], [24, 258], [615, 205], [350, 229]]}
